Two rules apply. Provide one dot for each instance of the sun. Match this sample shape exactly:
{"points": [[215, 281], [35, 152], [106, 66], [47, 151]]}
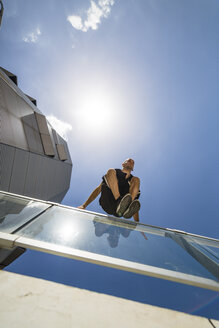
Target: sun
{"points": [[95, 111]]}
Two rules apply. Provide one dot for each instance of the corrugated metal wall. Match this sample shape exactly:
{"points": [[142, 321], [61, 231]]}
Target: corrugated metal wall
{"points": [[34, 159]]}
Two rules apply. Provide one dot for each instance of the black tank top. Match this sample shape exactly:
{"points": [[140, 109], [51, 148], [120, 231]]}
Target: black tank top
{"points": [[123, 183]]}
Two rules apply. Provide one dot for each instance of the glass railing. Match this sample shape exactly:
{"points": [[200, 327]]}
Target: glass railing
{"points": [[16, 211], [110, 241]]}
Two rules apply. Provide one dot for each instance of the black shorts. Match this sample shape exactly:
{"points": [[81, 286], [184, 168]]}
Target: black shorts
{"points": [[107, 200]]}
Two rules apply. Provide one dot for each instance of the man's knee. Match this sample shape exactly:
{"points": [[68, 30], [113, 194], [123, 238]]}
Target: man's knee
{"points": [[135, 181], [111, 173]]}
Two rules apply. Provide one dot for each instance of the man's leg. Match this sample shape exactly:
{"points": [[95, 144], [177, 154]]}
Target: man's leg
{"points": [[113, 182], [135, 205], [134, 187], [122, 203]]}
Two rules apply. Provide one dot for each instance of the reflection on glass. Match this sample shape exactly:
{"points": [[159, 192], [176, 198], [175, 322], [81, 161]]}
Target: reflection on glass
{"points": [[84, 231], [112, 232], [213, 251], [197, 251], [59, 226], [210, 248], [15, 211]]}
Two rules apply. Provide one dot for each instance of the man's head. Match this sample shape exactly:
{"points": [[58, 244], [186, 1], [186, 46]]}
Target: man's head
{"points": [[128, 164]]}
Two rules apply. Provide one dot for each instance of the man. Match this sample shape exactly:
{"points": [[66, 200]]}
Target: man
{"points": [[119, 192]]}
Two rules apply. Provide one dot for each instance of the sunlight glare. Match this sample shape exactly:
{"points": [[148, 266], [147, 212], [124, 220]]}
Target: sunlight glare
{"points": [[95, 111], [68, 231]]}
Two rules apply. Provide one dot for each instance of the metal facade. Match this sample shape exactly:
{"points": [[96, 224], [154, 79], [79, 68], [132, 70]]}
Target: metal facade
{"points": [[34, 159]]}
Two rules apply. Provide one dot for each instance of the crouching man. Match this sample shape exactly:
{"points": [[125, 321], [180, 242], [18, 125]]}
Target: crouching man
{"points": [[119, 192]]}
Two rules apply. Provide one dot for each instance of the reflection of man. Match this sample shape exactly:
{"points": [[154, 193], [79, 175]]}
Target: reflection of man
{"points": [[119, 192], [112, 231]]}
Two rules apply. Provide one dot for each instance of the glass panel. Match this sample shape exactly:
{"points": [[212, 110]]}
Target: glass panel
{"points": [[84, 231], [210, 249], [213, 251], [15, 211], [197, 251]]}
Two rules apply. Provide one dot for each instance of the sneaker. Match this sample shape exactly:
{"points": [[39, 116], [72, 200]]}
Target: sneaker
{"points": [[123, 204], [133, 208]]}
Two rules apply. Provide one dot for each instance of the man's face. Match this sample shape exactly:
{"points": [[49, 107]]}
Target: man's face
{"points": [[128, 164]]}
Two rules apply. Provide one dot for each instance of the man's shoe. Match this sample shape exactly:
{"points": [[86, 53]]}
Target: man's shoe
{"points": [[123, 204], [133, 208]]}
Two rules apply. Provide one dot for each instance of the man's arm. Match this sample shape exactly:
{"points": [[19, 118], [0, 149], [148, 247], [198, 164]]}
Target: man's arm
{"points": [[91, 198], [136, 217]]}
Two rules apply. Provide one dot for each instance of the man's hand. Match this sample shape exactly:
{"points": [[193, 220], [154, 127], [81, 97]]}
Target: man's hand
{"points": [[92, 196]]}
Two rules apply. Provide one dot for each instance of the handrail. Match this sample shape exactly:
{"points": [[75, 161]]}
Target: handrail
{"points": [[115, 219]]}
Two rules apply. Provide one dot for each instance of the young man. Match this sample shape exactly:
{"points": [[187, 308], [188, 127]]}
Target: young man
{"points": [[119, 192]]}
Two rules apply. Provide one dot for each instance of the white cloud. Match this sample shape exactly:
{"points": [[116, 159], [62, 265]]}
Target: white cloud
{"points": [[32, 37], [76, 22], [61, 127], [95, 13]]}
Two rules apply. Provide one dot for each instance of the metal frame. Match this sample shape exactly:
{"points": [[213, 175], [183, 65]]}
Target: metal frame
{"points": [[10, 241]]}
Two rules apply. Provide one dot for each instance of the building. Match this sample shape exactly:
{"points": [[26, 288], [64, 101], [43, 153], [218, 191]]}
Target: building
{"points": [[34, 158]]}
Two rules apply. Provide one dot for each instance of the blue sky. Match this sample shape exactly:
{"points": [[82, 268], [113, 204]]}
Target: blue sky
{"points": [[128, 78]]}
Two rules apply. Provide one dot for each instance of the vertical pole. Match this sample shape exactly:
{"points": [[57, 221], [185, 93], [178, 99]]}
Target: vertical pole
{"points": [[1, 12]]}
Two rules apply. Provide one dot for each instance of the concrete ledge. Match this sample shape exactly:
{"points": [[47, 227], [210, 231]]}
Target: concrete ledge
{"points": [[31, 302]]}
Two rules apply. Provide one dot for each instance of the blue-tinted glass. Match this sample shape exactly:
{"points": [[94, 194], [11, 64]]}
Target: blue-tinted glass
{"points": [[208, 247], [15, 211], [84, 231], [214, 251]]}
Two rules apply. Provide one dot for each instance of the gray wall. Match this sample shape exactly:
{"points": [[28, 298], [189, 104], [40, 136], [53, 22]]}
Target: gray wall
{"points": [[34, 159], [26, 173]]}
